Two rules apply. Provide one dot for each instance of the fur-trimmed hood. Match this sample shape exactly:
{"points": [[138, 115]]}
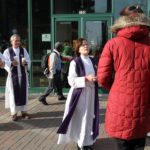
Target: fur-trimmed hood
{"points": [[126, 21]]}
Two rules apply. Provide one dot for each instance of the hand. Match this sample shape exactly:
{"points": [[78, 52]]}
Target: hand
{"points": [[91, 78], [24, 63], [2, 64], [14, 63]]}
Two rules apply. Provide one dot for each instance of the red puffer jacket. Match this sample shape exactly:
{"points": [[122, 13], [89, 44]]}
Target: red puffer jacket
{"points": [[124, 69]]}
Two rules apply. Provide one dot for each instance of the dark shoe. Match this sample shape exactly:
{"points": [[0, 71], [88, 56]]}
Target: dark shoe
{"points": [[14, 117], [43, 101], [61, 98], [26, 116], [87, 148]]}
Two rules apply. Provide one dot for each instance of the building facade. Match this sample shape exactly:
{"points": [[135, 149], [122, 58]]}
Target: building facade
{"points": [[42, 23]]}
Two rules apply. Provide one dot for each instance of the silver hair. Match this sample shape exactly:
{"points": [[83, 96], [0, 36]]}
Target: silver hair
{"points": [[14, 36]]}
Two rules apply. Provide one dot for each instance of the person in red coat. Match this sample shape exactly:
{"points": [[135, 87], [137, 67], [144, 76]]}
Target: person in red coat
{"points": [[124, 70]]}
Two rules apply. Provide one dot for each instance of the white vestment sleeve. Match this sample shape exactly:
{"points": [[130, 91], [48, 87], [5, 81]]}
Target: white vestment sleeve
{"points": [[74, 81], [7, 60]]}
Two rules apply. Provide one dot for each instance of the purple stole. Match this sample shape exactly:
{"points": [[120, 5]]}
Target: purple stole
{"points": [[19, 90], [74, 100]]}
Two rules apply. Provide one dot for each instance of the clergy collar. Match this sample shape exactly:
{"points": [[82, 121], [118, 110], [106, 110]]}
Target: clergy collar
{"points": [[84, 57], [16, 49]]}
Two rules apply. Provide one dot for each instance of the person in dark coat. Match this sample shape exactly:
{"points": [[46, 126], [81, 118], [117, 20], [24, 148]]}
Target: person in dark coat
{"points": [[124, 70]]}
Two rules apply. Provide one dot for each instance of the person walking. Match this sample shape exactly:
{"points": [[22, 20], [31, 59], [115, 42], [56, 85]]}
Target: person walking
{"points": [[17, 65], [124, 70], [80, 122], [54, 76]]}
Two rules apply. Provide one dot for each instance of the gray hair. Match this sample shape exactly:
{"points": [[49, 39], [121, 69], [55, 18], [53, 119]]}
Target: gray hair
{"points": [[14, 36], [58, 45]]}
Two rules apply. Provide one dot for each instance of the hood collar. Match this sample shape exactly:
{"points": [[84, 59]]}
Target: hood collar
{"points": [[127, 21]]}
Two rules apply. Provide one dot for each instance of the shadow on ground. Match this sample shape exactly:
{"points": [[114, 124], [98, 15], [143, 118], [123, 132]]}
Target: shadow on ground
{"points": [[38, 120], [105, 144], [109, 144], [102, 115]]}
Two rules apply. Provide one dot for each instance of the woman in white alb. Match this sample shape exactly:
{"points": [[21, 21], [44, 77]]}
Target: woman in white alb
{"points": [[82, 101]]}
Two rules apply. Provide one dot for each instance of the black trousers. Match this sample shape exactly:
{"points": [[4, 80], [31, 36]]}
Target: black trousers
{"points": [[54, 85], [136, 144]]}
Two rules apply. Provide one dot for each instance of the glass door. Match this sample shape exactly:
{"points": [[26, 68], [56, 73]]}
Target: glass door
{"points": [[96, 31], [66, 30], [93, 28], [69, 30]]}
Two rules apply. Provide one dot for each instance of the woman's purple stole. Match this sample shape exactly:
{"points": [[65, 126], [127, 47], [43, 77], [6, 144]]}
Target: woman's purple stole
{"points": [[74, 100], [19, 89]]}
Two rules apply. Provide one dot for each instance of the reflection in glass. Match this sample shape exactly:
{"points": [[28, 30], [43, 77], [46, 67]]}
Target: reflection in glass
{"points": [[3, 76], [96, 33], [66, 31], [39, 79], [119, 6], [13, 17], [41, 27], [80, 6]]}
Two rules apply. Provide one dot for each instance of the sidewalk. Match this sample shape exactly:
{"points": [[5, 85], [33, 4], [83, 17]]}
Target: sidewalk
{"points": [[39, 133]]}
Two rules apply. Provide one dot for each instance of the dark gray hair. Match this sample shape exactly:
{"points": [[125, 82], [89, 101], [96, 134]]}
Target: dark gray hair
{"points": [[58, 45]]}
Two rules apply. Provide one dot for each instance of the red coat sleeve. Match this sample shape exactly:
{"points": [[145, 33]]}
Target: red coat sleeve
{"points": [[105, 67]]}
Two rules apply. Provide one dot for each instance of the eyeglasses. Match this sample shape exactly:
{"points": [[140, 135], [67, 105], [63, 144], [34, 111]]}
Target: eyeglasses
{"points": [[84, 45]]}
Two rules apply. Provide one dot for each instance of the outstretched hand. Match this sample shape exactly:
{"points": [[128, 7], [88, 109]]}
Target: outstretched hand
{"points": [[91, 78]]}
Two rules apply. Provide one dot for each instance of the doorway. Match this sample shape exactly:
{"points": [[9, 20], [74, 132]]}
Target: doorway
{"points": [[93, 28]]}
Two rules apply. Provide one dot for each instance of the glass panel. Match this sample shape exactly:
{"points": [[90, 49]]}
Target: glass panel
{"points": [[13, 16], [2, 77], [41, 27], [82, 6], [97, 35], [39, 78], [66, 31], [119, 6]]}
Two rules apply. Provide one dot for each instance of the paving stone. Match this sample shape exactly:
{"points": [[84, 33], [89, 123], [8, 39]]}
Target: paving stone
{"points": [[39, 133]]}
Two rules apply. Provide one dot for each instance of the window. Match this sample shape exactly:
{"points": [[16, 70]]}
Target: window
{"points": [[13, 16], [77, 6]]}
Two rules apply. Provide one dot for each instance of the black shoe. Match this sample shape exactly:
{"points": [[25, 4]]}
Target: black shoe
{"points": [[14, 117], [43, 101], [25, 116], [87, 147], [61, 98]]}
